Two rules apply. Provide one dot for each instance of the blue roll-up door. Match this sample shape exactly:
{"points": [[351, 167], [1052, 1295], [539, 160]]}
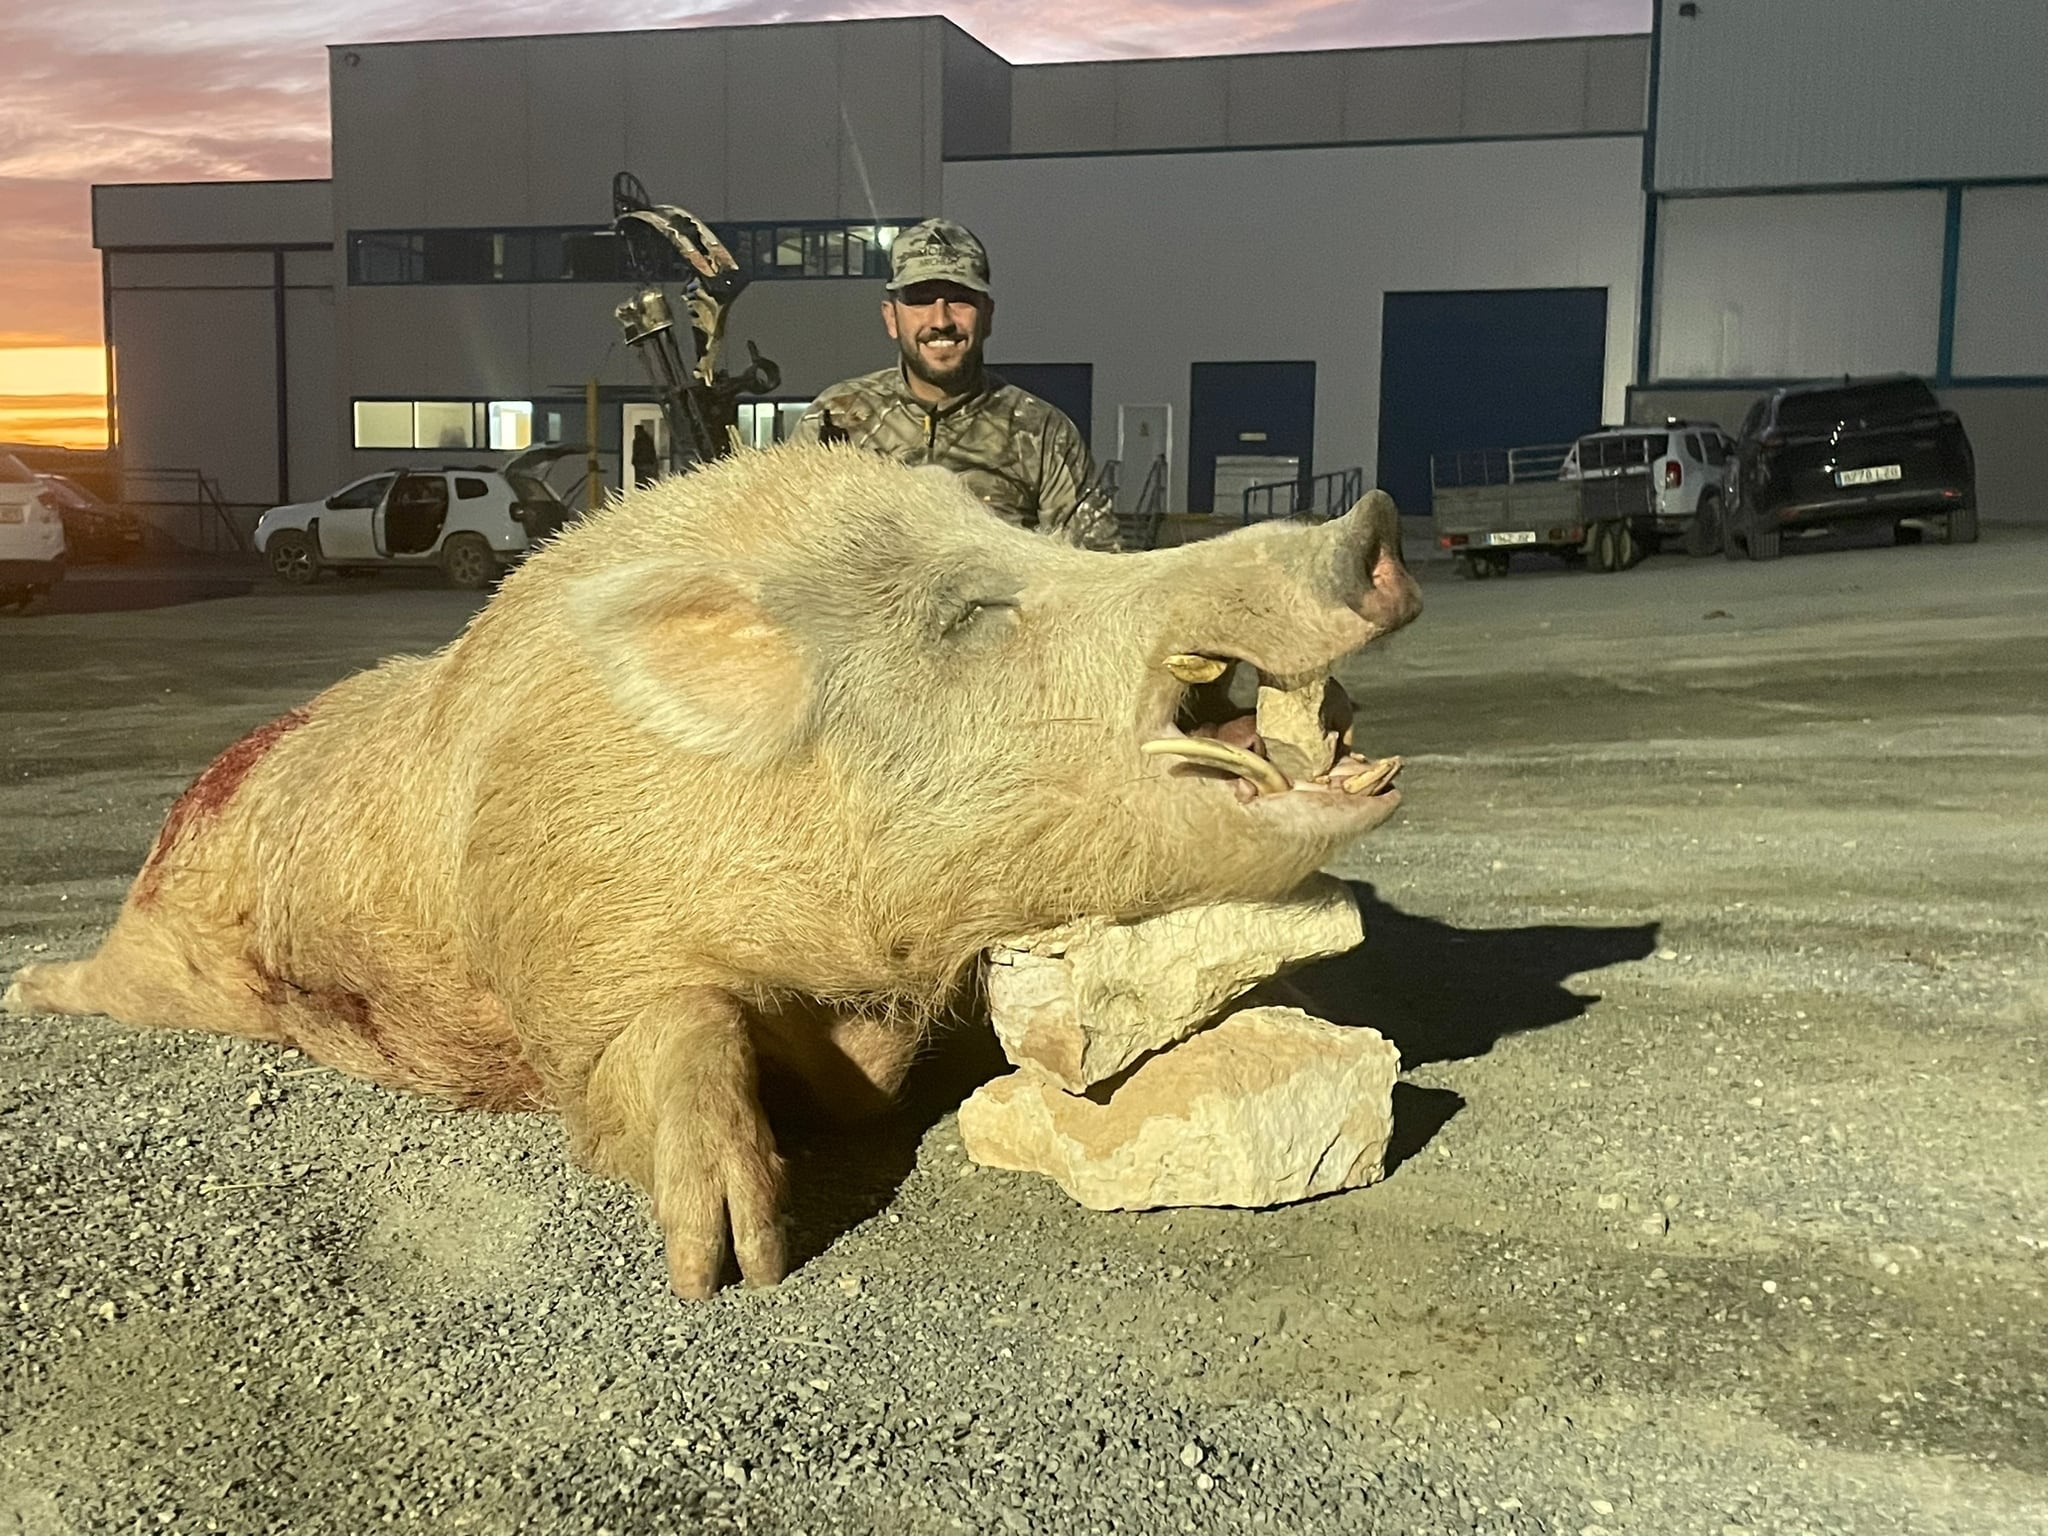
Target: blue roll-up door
{"points": [[1496, 368]]}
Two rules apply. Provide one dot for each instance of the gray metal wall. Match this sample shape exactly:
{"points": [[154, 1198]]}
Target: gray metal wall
{"points": [[1779, 287], [1578, 85], [1285, 255], [212, 213], [2002, 283], [800, 122], [812, 121], [1781, 93], [977, 86], [196, 343]]}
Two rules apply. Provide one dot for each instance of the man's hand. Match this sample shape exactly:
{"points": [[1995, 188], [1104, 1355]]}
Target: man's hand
{"points": [[1091, 524]]}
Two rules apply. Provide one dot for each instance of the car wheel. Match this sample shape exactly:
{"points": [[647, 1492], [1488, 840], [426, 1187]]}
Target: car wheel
{"points": [[1703, 533], [467, 562], [1765, 543], [1477, 567], [1612, 547], [1907, 533], [16, 599], [1960, 526], [293, 558], [1733, 545], [1629, 551]]}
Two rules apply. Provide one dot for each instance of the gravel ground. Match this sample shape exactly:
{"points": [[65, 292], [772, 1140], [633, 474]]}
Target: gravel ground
{"points": [[1712, 936]]}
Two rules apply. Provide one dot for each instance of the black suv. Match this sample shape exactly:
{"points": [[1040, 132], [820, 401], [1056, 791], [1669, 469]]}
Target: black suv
{"points": [[1860, 450]]}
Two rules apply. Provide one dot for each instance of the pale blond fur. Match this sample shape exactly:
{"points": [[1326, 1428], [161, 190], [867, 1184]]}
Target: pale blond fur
{"points": [[754, 762]]}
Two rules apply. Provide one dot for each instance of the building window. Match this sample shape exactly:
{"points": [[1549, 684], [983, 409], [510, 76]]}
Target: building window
{"points": [[505, 426], [384, 424], [764, 423], [511, 424], [443, 424], [573, 254]]}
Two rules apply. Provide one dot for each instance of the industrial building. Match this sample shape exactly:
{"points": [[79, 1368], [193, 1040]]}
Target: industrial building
{"points": [[1255, 266]]}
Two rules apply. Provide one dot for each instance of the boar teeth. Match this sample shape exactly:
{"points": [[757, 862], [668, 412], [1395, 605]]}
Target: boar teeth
{"points": [[1246, 765], [1373, 778], [1190, 668]]}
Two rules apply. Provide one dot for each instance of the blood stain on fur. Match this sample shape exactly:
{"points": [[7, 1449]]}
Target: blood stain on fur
{"points": [[208, 794]]}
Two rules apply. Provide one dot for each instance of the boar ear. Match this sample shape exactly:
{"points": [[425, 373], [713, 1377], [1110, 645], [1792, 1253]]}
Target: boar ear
{"points": [[694, 658]]}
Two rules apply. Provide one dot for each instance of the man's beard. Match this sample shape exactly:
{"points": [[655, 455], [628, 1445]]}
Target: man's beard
{"points": [[962, 371]]}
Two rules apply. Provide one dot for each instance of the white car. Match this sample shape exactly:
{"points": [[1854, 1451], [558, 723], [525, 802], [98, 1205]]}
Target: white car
{"points": [[469, 522], [31, 537], [1653, 477]]}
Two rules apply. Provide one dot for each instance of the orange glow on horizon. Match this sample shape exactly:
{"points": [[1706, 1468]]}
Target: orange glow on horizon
{"points": [[55, 396]]}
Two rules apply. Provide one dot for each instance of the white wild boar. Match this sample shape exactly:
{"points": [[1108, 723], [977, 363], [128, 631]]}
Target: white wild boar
{"points": [[750, 765]]}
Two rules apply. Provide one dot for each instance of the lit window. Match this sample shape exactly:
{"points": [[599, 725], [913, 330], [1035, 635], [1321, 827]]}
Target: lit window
{"points": [[443, 424], [383, 423], [511, 424]]}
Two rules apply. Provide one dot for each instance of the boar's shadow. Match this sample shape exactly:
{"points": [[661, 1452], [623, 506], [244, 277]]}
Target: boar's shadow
{"points": [[1437, 991], [1444, 993]]}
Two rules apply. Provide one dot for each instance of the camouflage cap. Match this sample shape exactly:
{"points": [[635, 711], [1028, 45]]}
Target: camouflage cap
{"points": [[938, 251]]}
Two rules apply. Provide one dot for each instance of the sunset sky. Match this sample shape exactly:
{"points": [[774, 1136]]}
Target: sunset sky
{"points": [[231, 90]]}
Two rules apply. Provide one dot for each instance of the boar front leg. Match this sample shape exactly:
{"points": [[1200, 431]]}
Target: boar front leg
{"points": [[673, 1105]]}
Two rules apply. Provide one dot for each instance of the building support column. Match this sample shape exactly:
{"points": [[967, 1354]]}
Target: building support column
{"points": [[1951, 259], [282, 361]]}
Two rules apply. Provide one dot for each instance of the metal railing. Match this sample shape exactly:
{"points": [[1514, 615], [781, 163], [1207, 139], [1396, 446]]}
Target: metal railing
{"points": [[1316, 499], [1497, 466], [186, 506], [1139, 528]]}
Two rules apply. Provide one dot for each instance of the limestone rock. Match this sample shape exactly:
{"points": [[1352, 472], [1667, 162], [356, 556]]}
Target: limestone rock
{"points": [[1269, 1106], [1298, 726], [1085, 1000]]}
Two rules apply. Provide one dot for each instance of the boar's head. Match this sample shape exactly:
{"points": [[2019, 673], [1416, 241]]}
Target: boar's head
{"points": [[957, 729]]}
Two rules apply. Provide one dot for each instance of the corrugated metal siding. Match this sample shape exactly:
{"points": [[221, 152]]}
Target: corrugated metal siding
{"points": [[1783, 93], [1327, 231], [213, 213], [1778, 287], [1466, 90], [2002, 283]]}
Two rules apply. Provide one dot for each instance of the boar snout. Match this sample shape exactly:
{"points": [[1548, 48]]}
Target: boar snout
{"points": [[1376, 583]]}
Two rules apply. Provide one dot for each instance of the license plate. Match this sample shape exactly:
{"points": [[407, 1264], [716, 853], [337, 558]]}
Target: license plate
{"points": [[11, 515], [1525, 536], [1866, 476]]}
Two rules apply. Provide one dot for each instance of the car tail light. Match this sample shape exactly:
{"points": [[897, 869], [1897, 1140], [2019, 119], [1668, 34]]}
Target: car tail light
{"points": [[1674, 474], [1453, 540]]}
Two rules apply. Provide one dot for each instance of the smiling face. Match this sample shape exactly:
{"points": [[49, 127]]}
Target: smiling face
{"points": [[940, 328]]}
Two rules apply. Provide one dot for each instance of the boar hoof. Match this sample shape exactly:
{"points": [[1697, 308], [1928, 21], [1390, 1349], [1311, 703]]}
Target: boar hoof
{"points": [[736, 1190]]}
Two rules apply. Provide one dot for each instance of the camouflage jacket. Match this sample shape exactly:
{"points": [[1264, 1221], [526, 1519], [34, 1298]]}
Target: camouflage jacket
{"points": [[1020, 455]]}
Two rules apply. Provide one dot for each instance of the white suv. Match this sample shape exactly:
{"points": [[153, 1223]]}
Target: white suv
{"points": [[469, 522], [31, 537], [1654, 477]]}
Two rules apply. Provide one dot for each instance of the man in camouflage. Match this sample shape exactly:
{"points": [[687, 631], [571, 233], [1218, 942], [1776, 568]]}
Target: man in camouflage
{"points": [[939, 405]]}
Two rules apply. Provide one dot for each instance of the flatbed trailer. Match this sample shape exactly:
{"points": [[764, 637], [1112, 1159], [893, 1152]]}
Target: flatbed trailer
{"points": [[1489, 504]]}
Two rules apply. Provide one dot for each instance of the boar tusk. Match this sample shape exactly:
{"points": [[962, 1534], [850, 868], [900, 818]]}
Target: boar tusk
{"points": [[1373, 778], [1190, 668], [1246, 765]]}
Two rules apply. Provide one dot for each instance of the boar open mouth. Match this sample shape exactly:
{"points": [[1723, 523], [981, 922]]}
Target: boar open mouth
{"points": [[1297, 741]]}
